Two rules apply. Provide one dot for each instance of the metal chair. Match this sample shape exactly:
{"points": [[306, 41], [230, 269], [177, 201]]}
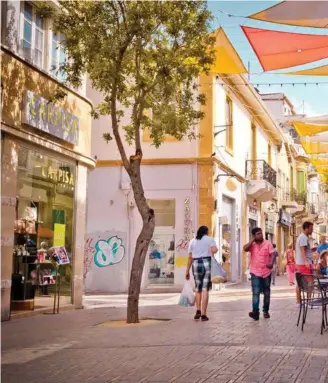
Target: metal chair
{"points": [[310, 285]]}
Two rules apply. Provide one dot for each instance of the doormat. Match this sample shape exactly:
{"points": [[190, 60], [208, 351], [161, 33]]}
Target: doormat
{"points": [[142, 322]]}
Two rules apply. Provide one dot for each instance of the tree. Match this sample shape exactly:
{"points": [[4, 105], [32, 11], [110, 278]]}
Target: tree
{"points": [[145, 58]]}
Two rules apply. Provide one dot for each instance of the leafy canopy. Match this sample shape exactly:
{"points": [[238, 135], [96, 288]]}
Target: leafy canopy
{"points": [[144, 57]]}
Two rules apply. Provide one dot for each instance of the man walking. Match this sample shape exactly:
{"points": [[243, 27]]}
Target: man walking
{"points": [[304, 261], [260, 251]]}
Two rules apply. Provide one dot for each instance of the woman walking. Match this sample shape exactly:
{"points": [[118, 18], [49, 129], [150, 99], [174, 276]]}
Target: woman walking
{"points": [[200, 252], [290, 264]]}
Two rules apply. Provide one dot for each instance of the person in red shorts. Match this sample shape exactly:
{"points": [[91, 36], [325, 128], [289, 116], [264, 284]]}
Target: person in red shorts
{"points": [[304, 260]]}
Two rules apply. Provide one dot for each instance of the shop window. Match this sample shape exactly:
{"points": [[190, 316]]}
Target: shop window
{"points": [[33, 35], [229, 124], [43, 229], [162, 246], [58, 56]]}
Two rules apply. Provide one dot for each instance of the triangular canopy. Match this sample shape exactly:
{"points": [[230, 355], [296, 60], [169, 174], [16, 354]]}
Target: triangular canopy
{"points": [[319, 161], [311, 147], [304, 13], [227, 59], [304, 129], [318, 71], [278, 50]]}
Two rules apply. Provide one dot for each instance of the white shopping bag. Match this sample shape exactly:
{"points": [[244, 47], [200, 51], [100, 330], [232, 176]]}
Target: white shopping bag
{"points": [[187, 297]]}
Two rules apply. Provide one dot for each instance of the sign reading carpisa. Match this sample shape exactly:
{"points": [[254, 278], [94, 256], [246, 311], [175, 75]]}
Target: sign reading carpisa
{"points": [[50, 118]]}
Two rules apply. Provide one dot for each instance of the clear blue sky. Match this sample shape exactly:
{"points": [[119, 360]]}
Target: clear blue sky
{"points": [[315, 98]]}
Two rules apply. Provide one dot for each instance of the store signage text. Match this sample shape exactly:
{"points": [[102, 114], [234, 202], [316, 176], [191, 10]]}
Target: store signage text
{"points": [[59, 175], [50, 118]]}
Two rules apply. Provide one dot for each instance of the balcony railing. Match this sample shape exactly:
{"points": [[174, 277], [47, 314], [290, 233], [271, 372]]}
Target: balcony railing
{"points": [[261, 170]]}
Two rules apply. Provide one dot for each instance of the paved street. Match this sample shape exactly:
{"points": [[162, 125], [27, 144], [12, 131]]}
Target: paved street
{"points": [[74, 347]]}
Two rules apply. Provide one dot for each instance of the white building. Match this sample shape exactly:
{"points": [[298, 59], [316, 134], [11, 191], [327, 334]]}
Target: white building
{"points": [[188, 184]]}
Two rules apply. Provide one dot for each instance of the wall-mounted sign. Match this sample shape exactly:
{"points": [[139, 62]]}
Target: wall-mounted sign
{"points": [[285, 218], [252, 213], [59, 175], [50, 118]]}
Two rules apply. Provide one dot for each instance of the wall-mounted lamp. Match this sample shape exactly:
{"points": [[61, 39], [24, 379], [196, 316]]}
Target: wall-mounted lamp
{"points": [[221, 126], [223, 175]]}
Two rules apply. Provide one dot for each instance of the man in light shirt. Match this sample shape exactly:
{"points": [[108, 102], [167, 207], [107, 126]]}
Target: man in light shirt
{"points": [[304, 260]]}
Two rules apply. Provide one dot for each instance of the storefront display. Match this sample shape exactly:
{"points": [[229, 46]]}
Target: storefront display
{"points": [[43, 220], [161, 251]]}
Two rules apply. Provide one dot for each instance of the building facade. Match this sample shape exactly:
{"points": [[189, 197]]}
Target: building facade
{"points": [[45, 159], [225, 179]]}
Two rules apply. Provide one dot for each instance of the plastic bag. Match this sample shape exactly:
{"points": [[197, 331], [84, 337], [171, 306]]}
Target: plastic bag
{"points": [[187, 297], [218, 274]]}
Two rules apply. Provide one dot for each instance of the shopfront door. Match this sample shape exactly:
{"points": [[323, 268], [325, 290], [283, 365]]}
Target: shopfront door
{"points": [[161, 253]]}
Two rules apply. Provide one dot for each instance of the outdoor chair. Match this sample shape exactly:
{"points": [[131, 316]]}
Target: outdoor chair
{"points": [[313, 294]]}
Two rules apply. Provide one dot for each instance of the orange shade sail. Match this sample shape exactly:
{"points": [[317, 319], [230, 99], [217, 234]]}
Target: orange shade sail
{"points": [[304, 129], [279, 50], [312, 14]]}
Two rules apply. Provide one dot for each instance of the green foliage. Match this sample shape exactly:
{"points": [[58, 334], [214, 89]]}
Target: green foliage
{"points": [[144, 57]]}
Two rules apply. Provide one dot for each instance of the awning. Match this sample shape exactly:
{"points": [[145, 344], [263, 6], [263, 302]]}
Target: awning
{"points": [[322, 170], [227, 59], [319, 161], [308, 129], [278, 50], [318, 71], [302, 13], [315, 147]]}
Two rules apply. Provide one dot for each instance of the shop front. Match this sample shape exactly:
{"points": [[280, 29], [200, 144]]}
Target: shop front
{"points": [[45, 160], [285, 223]]}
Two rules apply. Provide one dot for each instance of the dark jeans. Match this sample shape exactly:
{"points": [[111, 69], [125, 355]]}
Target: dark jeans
{"points": [[261, 285]]}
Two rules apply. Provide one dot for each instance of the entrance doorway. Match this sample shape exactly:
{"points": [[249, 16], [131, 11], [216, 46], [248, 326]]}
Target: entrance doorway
{"points": [[161, 249]]}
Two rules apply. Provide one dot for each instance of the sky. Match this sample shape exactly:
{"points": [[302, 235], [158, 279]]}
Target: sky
{"points": [[310, 99]]}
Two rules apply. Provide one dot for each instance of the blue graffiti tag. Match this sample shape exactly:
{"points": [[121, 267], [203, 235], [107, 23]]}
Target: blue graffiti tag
{"points": [[109, 252]]}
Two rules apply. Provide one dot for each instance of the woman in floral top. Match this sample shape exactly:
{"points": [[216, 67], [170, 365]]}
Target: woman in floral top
{"points": [[290, 260]]}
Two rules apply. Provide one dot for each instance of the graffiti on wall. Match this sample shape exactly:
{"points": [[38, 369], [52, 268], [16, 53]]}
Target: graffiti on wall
{"points": [[103, 249], [109, 252], [183, 243]]}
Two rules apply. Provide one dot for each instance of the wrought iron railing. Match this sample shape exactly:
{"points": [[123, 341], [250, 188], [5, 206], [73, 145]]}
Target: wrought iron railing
{"points": [[261, 170]]}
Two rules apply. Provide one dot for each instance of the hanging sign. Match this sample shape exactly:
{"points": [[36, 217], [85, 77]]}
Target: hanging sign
{"points": [[50, 118]]}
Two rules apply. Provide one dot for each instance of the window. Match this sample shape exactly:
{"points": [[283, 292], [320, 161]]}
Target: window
{"points": [[229, 123], [300, 182], [269, 154], [33, 35], [58, 56], [254, 143]]}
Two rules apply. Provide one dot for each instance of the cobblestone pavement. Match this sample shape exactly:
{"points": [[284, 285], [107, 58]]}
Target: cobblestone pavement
{"points": [[72, 347]]}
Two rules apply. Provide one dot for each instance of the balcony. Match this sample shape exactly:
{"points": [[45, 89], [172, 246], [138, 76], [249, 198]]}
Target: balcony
{"points": [[289, 199], [261, 181]]}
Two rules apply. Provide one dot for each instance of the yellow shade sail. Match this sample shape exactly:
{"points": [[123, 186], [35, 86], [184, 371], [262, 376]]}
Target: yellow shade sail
{"points": [[227, 59], [322, 170], [311, 147], [304, 129], [319, 71], [319, 161]]}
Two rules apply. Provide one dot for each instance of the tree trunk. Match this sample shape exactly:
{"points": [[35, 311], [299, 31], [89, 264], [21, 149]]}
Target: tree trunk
{"points": [[146, 234], [137, 269]]}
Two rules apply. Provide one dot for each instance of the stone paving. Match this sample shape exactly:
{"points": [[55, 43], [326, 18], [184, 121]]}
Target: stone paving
{"points": [[72, 347]]}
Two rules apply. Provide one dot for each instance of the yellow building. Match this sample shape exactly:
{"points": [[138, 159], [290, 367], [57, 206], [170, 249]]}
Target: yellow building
{"points": [[46, 155]]}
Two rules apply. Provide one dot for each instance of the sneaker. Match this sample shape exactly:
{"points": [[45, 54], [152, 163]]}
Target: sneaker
{"points": [[198, 315], [254, 315], [266, 315], [205, 318]]}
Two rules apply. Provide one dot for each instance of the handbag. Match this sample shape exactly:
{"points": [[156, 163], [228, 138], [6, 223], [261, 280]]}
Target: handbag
{"points": [[218, 274]]}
